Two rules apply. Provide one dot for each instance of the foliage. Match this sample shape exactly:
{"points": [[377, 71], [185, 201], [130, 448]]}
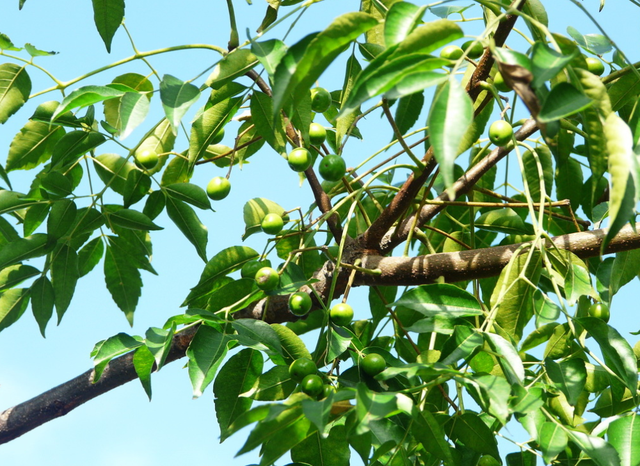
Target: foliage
{"points": [[464, 352]]}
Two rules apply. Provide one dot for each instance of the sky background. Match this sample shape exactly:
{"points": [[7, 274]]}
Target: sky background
{"points": [[122, 427]]}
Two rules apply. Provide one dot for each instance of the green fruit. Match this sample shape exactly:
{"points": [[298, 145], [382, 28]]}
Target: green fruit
{"points": [[500, 133], [500, 84], [595, 66], [272, 224], [218, 137], [488, 460], [299, 159], [373, 364], [300, 303], [341, 314], [312, 385], [218, 188], [473, 48], [267, 279], [317, 134], [146, 158], [600, 311], [451, 52], [328, 390], [250, 269], [332, 167], [320, 99], [302, 367]]}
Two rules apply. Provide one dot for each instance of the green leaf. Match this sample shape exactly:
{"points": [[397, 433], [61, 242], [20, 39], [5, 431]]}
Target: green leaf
{"points": [[372, 406], [235, 64], [408, 111], [34, 52], [624, 435], [254, 333], [279, 419], [160, 140], [568, 376], [513, 294], [236, 377], [427, 431], [292, 346], [177, 170], [143, 365], [440, 300], [449, 118], [319, 450], [24, 248], [159, 341], [206, 352], [108, 15], [90, 255], [508, 358], [595, 43], [269, 53], [16, 274], [74, 144], [189, 224], [127, 112], [177, 97], [132, 220], [275, 384], [339, 342], [207, 125], [113, 170], [136, 187], [601, 452], [33, 145], [626, 267], [469, 429], [525, 400], [13, 303], [547, 63], [15, 87], [464, 342], [220, 265], [623, 167], [191, 193], [61, 218], [292, 82], [64, 276], [110, 348], [617, 353], [270, 128], [552, 439], [402, 18], [5, 41], [123, 281], [538, 170], [89, 95], [564, 100], [429, 37], [42, 299]]}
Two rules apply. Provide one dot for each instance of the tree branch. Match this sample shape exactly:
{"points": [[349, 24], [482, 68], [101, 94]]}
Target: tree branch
{"points": [[401, 271]]}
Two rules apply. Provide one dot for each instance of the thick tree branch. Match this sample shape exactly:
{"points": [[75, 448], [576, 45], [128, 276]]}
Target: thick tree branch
{"points": [[455, 266]]}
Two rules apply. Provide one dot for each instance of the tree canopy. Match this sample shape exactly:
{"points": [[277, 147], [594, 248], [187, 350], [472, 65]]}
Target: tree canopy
{"points": [[476, 173]]}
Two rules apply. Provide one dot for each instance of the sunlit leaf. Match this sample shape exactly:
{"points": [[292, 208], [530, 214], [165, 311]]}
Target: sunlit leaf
{"points": [[15, 87], [177, 97]]}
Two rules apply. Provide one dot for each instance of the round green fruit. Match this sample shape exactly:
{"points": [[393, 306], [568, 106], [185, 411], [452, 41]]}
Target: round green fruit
{"points": [[299, 159], [500, 84], [250, 269], [488, 460], [500, 133], [272, 224], [302, 367], [312, 385], [341, 314], [320, 99], [451, 52], [317, 134], [267, 279], [595, 66], [218, 137], [473, 48], [328, 390], [218, 188], [332, 167], [600, 311], [146, 158], [373, 364], [300, 303]]}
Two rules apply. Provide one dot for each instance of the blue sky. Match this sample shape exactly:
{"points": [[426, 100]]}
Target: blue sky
{"points": [[122, 427]]}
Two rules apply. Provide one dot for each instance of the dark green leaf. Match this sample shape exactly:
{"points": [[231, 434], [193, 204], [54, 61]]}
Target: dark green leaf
{"points": [[189, 224], [61, 218], [191, 193], [33, 145], [107, 15], [74, 144], [24, 248], [133, 220], [123, 282], [564, 100], [110, 348], [42, 299], [13, 303], [270, 128], [206, 352], [64, 276]]}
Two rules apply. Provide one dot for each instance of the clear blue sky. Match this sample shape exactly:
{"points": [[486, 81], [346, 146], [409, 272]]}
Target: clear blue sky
{"points": [[122, 427]]}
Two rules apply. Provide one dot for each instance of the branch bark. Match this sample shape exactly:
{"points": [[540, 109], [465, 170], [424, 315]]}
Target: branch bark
{"points": [[456, 266]]}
